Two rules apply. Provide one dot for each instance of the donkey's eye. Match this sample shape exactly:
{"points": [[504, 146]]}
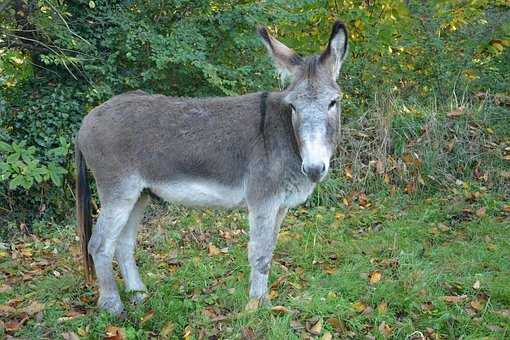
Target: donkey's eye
{"points": [[332, 104]]}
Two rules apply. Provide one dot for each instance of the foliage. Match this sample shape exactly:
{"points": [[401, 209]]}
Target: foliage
{"points": [[61, 58]]}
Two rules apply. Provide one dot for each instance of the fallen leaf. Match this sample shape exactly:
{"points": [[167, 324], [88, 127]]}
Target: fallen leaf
{"points": [[375, 277], [167, 329], [34, 308], [147, 316], [454, 298], [337, 324], [280, 309], [385, 329], [4, 288], [296, 325], [114, 333], [348, 172], [14, 325], [480, 212], [6, 310], [476, 304], [457, 112], [359, 306], [382, 307], [314, 326], [476, 285], [327, 336], [427, 306], [213, 250], [187, 333], [248, 333], [70, 336]]}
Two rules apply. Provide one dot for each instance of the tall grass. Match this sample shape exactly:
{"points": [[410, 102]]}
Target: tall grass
{"points": [[421, 148]]}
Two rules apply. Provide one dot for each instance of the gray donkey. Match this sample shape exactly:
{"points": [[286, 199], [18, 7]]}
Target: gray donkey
{"points": [[262, 151]]}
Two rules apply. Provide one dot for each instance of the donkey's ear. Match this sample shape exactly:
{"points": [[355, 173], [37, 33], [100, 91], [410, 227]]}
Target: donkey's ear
{"points": [[335, 53], [285, 59]]}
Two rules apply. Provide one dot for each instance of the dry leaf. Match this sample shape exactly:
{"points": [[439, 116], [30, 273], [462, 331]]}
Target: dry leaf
{"points": [[70, 336], [382, 307], [147, 316], [480, 212], [4, 288], [476, 304], [187, 333], [454, 298], [34, 308], [314, 326], [385, 329], [327, 336], [476, 285], [359, 306], [114, 333], [213, 250], [375, 277], [280, 310], [348, 172], [167, 330], [248, 333], [336, 324], [6, 310], [457, 112]]}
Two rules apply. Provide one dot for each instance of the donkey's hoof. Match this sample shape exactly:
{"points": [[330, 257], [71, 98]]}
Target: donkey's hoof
{"points": [[111, 304], [138, 297], [256, 303]]}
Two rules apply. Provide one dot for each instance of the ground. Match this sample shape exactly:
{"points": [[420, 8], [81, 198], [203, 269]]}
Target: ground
{"points": [[384, 266]]}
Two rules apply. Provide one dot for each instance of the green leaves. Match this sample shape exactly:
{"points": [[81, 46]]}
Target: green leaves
{"points": [[21, 168]]}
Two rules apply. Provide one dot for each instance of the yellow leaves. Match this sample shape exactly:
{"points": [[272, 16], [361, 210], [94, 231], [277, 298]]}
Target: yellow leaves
{"points": [[187, 333], [359, 306], [348, 171], [213, 250], [374, 277]]}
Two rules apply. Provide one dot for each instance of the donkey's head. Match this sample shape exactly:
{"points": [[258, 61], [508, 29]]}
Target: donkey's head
{"points": [[313, 97]]}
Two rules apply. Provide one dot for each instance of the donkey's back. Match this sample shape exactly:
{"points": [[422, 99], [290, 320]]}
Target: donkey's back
{"points": [[159, 138]]}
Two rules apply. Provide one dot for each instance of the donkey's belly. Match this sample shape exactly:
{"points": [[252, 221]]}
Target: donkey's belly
{"points": [[199, 193]]}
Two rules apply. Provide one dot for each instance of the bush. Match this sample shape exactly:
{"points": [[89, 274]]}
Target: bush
{"points": [[71, 56]]}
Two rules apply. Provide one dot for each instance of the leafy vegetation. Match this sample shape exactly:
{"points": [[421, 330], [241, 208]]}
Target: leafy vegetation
{"points": [[408, 236]]}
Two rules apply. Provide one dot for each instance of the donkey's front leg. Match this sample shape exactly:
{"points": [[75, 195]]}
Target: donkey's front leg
{"points": [[264, 225]]}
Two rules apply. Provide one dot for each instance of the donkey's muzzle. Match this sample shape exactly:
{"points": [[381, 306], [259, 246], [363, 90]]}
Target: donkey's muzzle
{"points": [[315, 171]]}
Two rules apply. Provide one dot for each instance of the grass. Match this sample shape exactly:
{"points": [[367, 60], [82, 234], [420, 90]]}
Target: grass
{"points": [[389, 266]]}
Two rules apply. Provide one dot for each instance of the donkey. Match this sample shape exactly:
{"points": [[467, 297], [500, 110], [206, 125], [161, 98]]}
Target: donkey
{"points": [[263, 151]]}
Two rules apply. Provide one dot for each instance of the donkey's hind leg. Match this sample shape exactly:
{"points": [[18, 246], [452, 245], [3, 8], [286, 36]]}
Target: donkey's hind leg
{"points": [[115, 211], [124, 251]]}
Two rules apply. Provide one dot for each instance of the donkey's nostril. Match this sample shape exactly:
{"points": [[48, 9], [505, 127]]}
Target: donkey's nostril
{"points": [[315, 171]]}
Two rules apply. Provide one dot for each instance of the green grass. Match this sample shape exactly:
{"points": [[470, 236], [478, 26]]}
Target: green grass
{"points": [[426, 248]]}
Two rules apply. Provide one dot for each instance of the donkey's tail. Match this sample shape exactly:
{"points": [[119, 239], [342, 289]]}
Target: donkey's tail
{"points": [[83, 214]]}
